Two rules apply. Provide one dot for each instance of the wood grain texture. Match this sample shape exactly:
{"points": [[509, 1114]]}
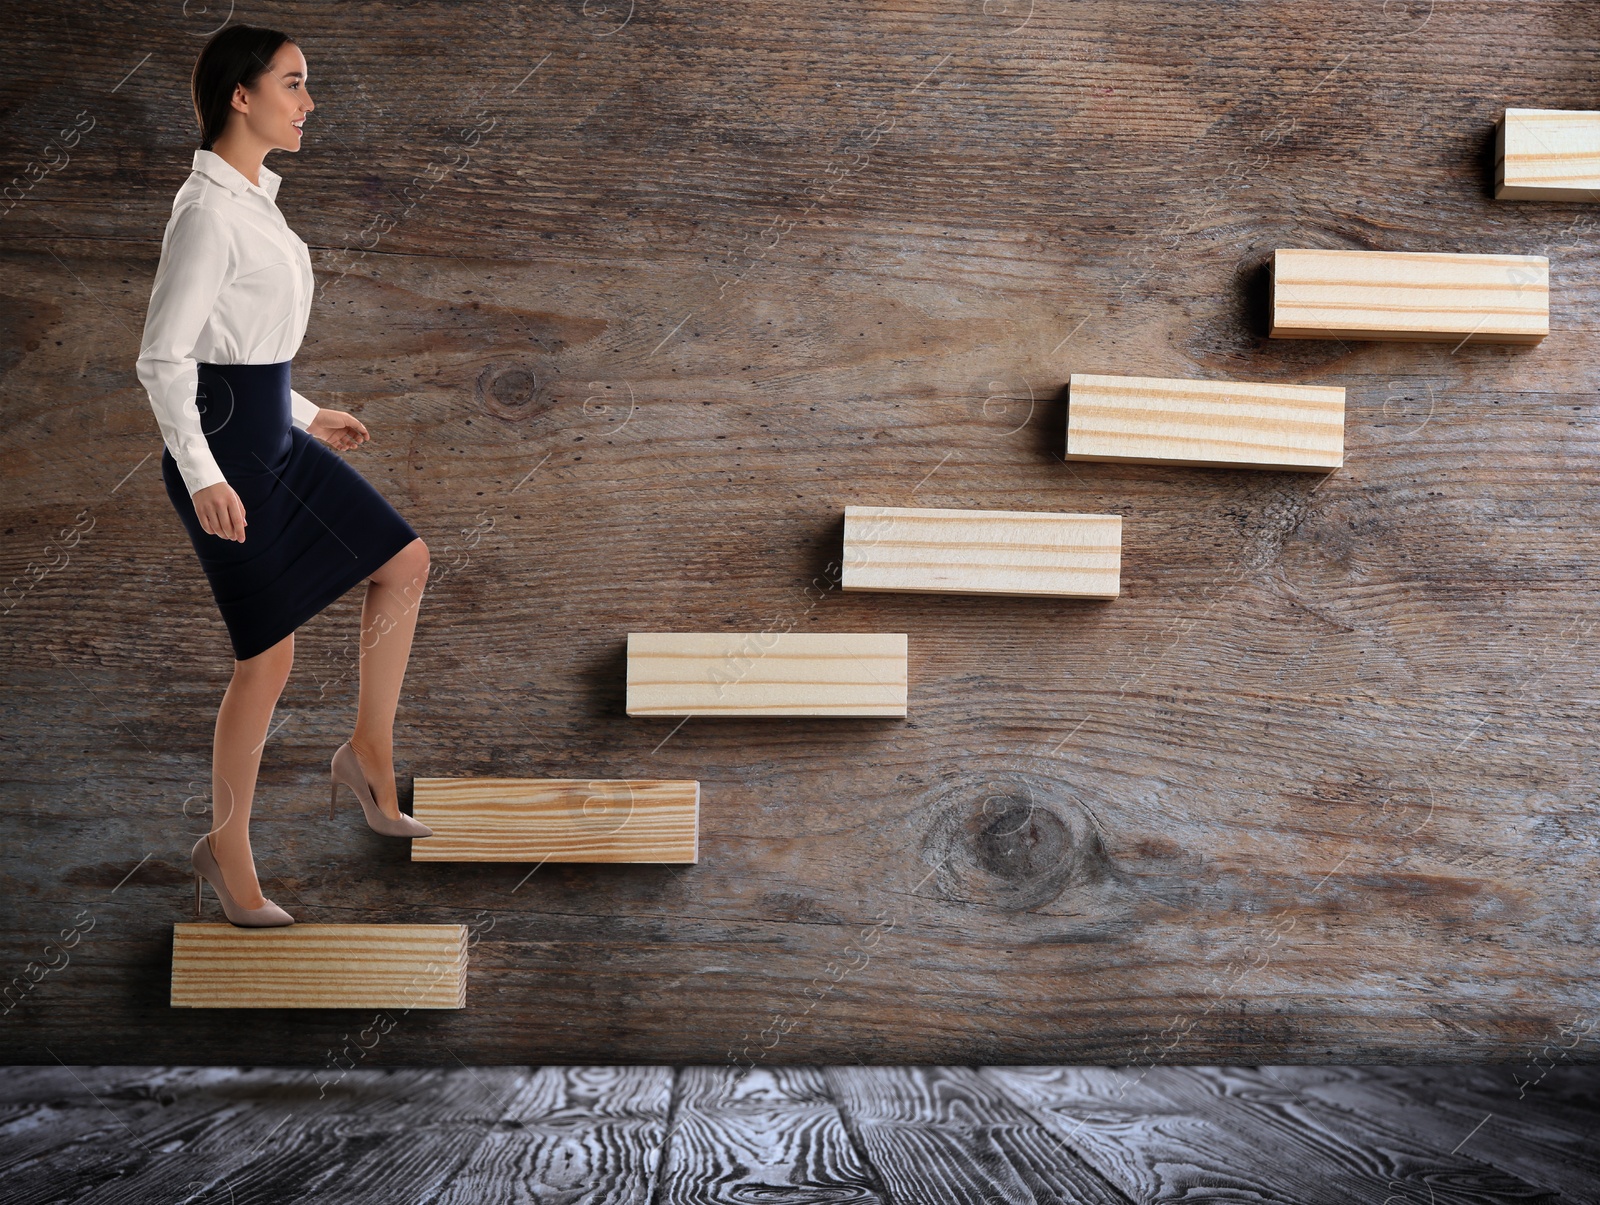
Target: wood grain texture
{"points": [[1519, 1133], [556, 820], [568, 1134], [719, 1134], [53, 1131], [1462, 297], [1185, 1134], [319, 966], [761, 1134], [1280, 1119], [944, 1134], [629, 334], [1547, 155], [742, 674], [938, 550], [1224, 424], [252, 1134]]}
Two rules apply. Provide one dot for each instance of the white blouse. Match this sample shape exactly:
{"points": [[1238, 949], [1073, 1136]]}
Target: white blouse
{"points": [[233, 286]]}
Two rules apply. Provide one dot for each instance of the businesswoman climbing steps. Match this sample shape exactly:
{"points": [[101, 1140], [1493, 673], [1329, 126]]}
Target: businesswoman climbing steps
{"points": [[281, 525]]}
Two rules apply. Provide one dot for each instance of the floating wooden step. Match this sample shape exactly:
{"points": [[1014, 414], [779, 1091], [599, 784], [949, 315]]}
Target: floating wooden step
{"points": [[1346, 294], [766, 674], [557, 820], [928, 550], [1547, 155], [1220, 424], [319, 966]]}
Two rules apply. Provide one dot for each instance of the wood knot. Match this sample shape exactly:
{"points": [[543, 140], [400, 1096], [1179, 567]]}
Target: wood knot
{"points": [[1013, 841], [516, 392]]}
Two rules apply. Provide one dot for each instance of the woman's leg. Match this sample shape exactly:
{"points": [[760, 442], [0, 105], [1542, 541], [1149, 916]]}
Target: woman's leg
{"points": [[242, 724], [388, 619]]}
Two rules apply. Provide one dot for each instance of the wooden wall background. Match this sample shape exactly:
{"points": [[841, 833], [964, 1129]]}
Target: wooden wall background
{"points": [[635, 298]]}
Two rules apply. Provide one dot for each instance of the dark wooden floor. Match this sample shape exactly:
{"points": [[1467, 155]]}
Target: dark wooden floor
{"points": [[566, 1134]]}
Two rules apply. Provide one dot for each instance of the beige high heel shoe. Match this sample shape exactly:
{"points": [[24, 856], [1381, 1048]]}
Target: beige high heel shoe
{"points": [[346, 767], [205, 865]]}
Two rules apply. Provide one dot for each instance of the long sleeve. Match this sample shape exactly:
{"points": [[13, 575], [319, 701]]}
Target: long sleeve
{"points": [[303, 409], [194, 267]]}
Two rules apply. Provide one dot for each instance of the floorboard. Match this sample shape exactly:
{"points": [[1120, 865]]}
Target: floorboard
{"points": [[1178, 1134], [879, 1135], [946, 1134], [1369, 1149], [270, 1136], [767, 1134], [571, 1134], [1542, 1142]]}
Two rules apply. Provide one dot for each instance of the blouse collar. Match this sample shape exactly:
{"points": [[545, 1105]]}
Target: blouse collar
{"points": [[215, 167]]}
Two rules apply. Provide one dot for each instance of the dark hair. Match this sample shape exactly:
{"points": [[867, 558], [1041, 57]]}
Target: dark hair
{"points": [[235, 55]]}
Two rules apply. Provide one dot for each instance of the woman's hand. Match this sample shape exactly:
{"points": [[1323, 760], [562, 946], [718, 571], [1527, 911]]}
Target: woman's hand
{"points": [[220, 512], [337, 429]]}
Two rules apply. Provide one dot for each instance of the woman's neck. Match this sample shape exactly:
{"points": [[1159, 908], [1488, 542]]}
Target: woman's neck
{"points": [[244, 160]]}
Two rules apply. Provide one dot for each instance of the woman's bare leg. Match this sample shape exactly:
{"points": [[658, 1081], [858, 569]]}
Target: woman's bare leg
{"points": [[388, 620], [242, 724]]}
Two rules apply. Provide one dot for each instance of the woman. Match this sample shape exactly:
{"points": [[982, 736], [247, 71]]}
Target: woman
{"points": [[281, 525]]}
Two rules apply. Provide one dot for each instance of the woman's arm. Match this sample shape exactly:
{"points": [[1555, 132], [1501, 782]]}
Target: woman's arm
{"points": [[193, 269], [188, 280], [195, 261], [338, 429], [333, 427]]}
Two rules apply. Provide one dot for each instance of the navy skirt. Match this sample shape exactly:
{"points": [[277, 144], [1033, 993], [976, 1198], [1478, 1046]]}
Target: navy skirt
{"points": [[315, 526]]}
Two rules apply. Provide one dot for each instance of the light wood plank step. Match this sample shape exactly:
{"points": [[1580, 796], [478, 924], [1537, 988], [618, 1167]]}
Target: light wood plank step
{"points": [[929, 550], [1547, 155], [219, 965], [1352, 294], [766, 674], [557, 820], [1217, 424]]}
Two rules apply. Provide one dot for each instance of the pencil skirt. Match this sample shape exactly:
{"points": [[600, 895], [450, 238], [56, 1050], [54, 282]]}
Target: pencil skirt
{"points": [[314, 525]]}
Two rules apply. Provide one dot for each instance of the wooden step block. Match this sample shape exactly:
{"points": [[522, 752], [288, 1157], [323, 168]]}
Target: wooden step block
{"points": [[1318, 294], [1220, 424], [927, 550], [557, 820], [220, 965], [766, 673], [1547, 155]]}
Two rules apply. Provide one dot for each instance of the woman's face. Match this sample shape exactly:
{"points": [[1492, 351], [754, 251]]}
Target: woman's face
{"points": [[273, 109]]}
